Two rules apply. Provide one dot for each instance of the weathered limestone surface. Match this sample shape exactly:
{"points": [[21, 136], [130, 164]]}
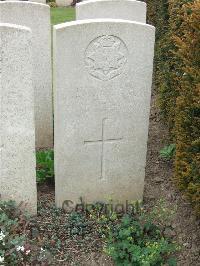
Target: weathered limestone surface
{"points": [[37, 17], [17, 131], [102, 104], [38, 1], [115, 9]]}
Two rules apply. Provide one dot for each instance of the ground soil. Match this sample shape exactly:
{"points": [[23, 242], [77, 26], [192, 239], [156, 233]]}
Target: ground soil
{"points": [[158, 184]]}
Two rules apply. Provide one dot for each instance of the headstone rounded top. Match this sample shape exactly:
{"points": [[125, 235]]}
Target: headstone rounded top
{"points": [[94, 1], [14, 26], [116, 9], [36, 16], [64, 25], [28, 3]]}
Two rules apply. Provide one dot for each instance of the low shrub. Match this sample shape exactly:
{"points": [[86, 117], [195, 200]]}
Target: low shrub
{"points": [[15, 246], [52, 4], [177, 79], [140, 240], [187, 118], [132, 242]]}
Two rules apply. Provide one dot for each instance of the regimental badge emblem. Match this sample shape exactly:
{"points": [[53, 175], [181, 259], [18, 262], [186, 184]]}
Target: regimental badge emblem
{"points": [[106, 57]]}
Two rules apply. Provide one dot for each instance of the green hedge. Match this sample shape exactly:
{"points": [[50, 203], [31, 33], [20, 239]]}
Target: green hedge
{"points": [[177, 79]]}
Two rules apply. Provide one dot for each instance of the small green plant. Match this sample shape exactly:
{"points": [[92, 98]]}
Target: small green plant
{"points": [[168, 151], [132, 242], [140, 239], [78, 224], [45, 166], [16, 246], [11, 240]]}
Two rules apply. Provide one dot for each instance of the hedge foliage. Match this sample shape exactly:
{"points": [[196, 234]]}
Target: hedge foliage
{"points": [[177, 72]]}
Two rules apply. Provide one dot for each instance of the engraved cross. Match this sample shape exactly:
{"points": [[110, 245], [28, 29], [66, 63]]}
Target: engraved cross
{"points": [[102, 141]]}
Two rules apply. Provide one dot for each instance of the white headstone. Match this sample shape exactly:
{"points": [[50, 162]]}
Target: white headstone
{"points": [[103, 75], [38, 1], [63, 3], [115, 9], [37, 17], [17, 131]]}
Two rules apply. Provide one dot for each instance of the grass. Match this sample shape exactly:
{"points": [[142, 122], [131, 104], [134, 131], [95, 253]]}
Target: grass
{"points": [[62, 14]]}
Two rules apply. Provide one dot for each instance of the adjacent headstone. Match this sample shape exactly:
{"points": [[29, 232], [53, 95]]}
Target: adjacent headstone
{"points": [[63, 3], [115, 9], [38, 1], [102, 105], [17, 132], [37, 17]]}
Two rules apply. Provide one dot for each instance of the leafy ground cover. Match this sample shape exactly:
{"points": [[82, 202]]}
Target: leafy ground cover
{"points": [[55, 237], [45, 166]]}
